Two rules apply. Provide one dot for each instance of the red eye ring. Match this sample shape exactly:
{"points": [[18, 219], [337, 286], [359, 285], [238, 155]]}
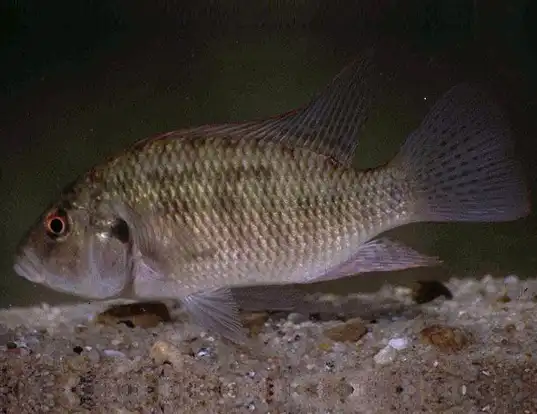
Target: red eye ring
{"points": [[56, 224]]}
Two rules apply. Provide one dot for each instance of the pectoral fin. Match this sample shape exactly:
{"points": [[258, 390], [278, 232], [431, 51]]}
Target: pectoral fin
{"points": [[378, 256], [162, 242], [216, 311]]}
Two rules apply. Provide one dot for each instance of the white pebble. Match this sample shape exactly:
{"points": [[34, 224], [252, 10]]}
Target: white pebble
{"points": [[385, 356], [398, 343], [520, 326], [113, 353], [203, 352], [296, 318], [510, 279], [339, 347]]}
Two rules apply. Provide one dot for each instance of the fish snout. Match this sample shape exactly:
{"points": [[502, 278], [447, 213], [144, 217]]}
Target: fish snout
{"points": [[28, 266]]}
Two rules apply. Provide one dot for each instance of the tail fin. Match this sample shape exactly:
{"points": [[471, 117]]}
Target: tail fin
{"points": [[460, 162]]}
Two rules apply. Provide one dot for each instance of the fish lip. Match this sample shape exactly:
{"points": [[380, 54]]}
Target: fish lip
{"points": [[26, 265]]}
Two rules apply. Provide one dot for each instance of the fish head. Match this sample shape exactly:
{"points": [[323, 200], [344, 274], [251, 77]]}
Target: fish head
{"points": [[74, 250]]}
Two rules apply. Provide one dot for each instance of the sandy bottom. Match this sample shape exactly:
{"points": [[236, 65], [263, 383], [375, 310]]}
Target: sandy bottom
{"points": [[370, 353]]}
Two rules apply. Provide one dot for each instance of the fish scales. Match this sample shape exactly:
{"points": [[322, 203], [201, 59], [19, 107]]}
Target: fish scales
{"points": [[260, 208]]}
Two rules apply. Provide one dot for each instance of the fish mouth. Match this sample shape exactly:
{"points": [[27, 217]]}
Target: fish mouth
{"points": [[89, 279], [27, 265]]}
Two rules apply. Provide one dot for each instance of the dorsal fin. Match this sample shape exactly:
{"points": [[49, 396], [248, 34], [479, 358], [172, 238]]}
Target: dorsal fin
{"points": [[329, 124]]}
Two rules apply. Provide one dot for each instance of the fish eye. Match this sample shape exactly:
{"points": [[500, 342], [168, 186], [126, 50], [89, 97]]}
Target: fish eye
{"points": [[120, 230], [56, 224]]}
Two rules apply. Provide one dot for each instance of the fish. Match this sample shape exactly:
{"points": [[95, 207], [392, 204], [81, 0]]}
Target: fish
{"points": [[190, 214]]}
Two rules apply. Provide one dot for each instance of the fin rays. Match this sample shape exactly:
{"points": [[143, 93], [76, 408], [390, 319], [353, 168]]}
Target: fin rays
{"points": [[461, 162]]}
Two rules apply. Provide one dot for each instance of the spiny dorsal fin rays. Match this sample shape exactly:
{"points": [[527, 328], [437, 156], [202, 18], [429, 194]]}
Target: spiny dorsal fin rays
{"points": [[329, 124]]}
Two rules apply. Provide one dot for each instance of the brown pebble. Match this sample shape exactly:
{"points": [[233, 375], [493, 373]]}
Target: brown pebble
{"points": [[428, 290], [321, 390], [142, 314], [504, 299], [19, 352], [510, 328], [349, 331], [254, 322], [444, 338], [78, 363], [162, 352]]}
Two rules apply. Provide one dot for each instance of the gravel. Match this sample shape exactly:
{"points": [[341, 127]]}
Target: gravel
{"points": [[366, 353]]}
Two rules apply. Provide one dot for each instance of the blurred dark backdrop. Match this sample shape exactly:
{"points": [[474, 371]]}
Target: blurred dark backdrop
{"points": [[80, 80]]}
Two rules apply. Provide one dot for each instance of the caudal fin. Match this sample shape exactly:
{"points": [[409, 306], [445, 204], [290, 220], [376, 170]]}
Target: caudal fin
{"points": [[460, 162]]}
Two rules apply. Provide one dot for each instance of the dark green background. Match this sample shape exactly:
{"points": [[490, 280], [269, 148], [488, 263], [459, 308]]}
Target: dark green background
{"points": [[83, 79]]}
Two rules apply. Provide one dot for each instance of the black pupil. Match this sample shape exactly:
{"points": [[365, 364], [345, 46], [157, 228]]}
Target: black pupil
{"points": [[120, 230], [56, 225]]}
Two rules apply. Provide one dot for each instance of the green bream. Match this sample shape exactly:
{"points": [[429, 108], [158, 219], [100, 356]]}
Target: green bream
{"points": [[188, 214]]}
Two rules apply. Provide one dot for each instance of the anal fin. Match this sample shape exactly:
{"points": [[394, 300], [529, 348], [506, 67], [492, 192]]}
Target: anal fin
{"points": [[380, 255]]}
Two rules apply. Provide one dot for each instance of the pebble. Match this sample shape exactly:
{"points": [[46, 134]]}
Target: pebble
{"points": [[297, 318], [162, 352], [5, 335], [203, 352], [78, 363], [398, 343], [428, 290], [254, 322], [504, 298], [385, 356], [445, 338], [140, 314], [114, 353], [511, 279], [94, 356], [349, 331]]}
